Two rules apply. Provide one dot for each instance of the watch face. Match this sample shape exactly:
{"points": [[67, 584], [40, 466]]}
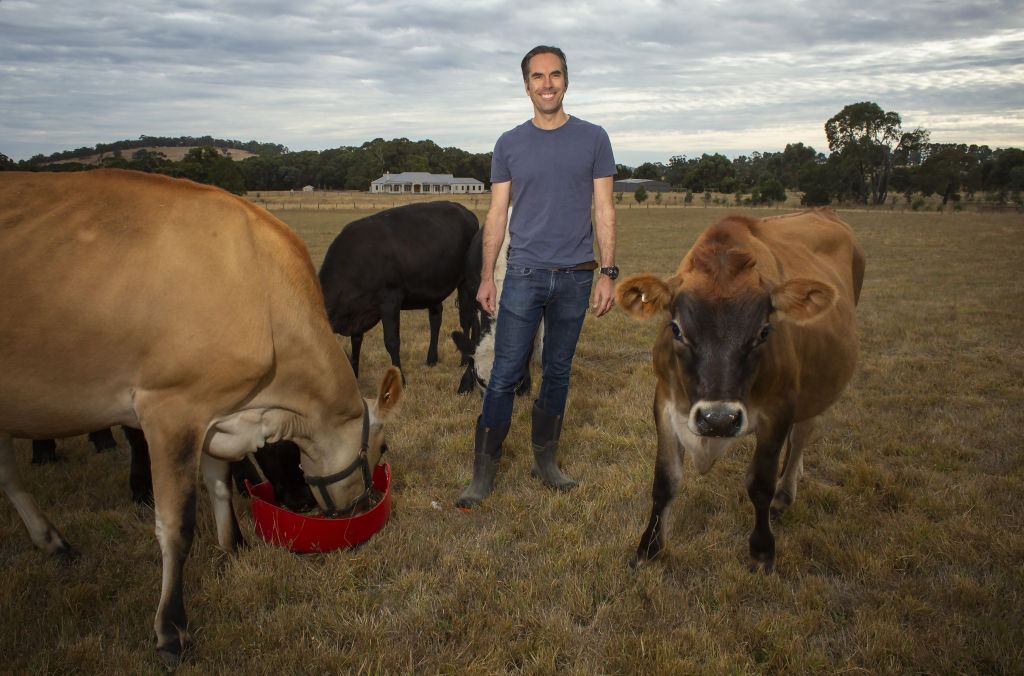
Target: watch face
{"points": [[612, 272]]}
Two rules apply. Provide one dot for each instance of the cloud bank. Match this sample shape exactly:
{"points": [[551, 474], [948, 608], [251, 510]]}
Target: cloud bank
{"points": [[664, 78]]}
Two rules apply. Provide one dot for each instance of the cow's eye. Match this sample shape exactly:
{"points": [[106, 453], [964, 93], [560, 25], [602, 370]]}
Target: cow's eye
{"points": [[677, 333], [765, 331]]}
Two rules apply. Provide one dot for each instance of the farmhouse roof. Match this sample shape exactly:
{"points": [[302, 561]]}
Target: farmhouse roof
{"points": [[407, 177], [631, 184]]}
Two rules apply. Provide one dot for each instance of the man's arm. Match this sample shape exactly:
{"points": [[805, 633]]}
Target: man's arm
{"points": [[494, 234], [604, 229]]}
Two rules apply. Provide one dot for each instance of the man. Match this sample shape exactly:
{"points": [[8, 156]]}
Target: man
{"points": [[551, 167]]}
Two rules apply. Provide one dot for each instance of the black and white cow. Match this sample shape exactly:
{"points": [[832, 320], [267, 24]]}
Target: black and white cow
{"points": [[479, 343], [407, 258]]}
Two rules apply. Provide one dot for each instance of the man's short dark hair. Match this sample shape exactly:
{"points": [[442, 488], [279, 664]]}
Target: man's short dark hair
{"points": [[544, 49]]}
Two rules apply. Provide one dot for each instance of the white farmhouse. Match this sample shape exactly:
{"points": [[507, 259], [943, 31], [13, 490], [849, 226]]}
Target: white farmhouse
{"points": [[422, 182]]}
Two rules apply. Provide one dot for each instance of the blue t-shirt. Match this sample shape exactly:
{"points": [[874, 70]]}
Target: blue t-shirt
{"points": [[552, 173]]}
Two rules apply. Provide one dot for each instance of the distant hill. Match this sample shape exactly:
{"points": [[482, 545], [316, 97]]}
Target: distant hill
{"points": [[174, 148], [173, 153]]}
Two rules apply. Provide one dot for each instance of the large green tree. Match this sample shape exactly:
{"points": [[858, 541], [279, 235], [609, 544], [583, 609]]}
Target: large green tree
{"points": [[649, 170], [948, 171], [787, 164], [865, 137], [709, 172], [1004, 172], [677, 170], [206, 165]]}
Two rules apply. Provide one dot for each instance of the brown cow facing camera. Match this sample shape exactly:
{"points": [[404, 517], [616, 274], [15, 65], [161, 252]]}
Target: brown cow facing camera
{"points": [[759, 336]]}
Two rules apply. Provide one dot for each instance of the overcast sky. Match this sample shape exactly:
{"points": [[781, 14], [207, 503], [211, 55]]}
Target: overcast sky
{"points": [[663, 78]]}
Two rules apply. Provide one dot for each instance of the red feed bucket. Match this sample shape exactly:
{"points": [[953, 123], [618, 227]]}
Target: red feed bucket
{"points": [[301, 533]]}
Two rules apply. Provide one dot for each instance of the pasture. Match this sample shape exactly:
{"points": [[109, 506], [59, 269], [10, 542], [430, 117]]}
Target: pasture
{"points": [[903, 552]]}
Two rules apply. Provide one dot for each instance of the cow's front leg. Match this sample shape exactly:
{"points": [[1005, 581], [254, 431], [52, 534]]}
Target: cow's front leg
{"points": [[175, 461], [434, 312], [217, 477], [390, 316], [668, 476], [792, 467], [761, 475]]}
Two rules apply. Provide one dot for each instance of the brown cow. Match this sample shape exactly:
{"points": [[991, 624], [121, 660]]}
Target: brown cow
{"points": [[142, 300], [759, 337]]}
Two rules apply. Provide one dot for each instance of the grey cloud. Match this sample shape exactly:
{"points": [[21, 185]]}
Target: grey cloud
{"points": [[322, 74]]}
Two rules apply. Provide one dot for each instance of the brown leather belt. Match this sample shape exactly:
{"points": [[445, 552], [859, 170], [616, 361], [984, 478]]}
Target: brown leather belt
{"points": [[589, 265]]}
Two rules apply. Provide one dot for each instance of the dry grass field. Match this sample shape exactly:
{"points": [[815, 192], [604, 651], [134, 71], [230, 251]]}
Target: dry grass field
{"points": [[903, 553]]}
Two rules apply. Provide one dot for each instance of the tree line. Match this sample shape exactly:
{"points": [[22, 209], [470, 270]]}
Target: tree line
{"points": [[871, 157], [273, 167]]}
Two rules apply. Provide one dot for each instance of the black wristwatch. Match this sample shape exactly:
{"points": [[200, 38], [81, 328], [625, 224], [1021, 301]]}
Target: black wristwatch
{"points": [[612, 272]]}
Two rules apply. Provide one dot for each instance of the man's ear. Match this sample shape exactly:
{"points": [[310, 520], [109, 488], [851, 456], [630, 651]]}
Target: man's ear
{"points": [[643, 296]]}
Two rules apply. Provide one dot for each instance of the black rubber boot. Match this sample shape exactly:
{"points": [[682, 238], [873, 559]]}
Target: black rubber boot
{"points": [[546, 430], [486, 455]]}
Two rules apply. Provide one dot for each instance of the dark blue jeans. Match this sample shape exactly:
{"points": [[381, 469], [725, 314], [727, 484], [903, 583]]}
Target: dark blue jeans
{"points": [[529, 296]]}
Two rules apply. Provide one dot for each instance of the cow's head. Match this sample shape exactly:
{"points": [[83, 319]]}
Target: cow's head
{"points": [[718, 325], [341, 474], [339, 449]]}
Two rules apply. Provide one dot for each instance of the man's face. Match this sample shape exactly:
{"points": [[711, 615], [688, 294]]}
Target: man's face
{"points": [[546, 83]]}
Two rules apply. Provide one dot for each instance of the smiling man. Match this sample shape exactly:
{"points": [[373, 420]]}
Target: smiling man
{"points": [[552, 168]]}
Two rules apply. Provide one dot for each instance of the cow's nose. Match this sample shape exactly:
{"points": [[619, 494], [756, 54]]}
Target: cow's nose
{"points": [[718, 419]]}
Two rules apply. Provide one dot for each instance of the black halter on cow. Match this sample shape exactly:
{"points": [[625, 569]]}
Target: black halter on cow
{"points": [[758, 336], [410, 257]]}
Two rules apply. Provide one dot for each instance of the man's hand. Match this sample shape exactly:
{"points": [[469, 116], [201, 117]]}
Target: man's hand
{"points": [[485, 295], [604, 294]]}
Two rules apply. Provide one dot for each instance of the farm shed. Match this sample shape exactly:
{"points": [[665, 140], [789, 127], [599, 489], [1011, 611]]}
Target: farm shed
{"points": [[422, 182], [631, 184]]}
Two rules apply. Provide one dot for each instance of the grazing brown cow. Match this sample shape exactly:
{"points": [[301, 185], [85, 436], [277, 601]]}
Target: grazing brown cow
{"points": [[180, 309], [759, 337]]}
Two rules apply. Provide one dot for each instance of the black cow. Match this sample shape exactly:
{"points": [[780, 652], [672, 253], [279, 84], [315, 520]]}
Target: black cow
{"points": [[407, 258], [45, 450], [140, 480]]}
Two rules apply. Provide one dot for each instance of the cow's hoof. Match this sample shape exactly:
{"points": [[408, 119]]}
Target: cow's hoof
{"points": [[173, 652], [67, 555], [169, 659], [762, 559], [644, 553], [780, 504], [143, 499], [758, 564], [762, 551]]}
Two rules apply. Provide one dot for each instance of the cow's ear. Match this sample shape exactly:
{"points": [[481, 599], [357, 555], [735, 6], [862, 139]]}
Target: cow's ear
{"points": [[643, 296], [390, 391], [801, 300]]}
